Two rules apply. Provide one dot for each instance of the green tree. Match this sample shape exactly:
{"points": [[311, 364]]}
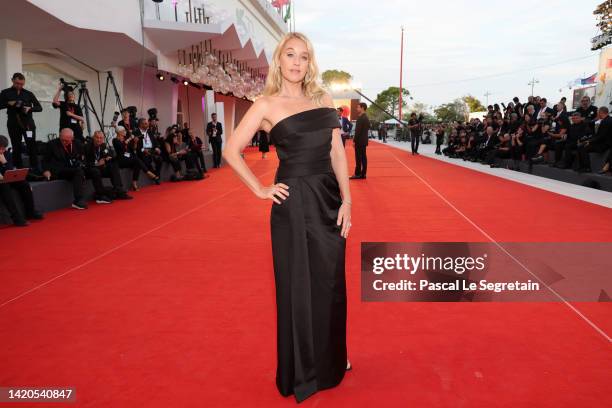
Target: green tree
{"points": [[422, 109], [419, 108], [456, 110], [389, 101], [473, 103], [333, 76]]}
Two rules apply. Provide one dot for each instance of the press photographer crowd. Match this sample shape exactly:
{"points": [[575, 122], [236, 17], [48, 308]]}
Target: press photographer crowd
{"points": [[138, 145], [535, 133]]}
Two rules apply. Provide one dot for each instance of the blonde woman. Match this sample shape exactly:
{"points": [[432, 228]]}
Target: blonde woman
{"points": [[310, 217]]}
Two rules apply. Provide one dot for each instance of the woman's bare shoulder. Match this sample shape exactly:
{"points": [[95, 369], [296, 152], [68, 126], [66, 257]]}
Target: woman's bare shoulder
{"points": [[262, 106], [327, 100]]}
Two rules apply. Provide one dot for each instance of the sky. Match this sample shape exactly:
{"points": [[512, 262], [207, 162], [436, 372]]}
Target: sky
{"points": [[454, 48]]}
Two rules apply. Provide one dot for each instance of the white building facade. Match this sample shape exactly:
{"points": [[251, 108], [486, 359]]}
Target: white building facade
{"points": [[139, 42]]}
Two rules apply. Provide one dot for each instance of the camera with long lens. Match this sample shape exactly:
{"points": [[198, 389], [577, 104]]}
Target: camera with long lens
{"points": [[132, 110], [152, 114], [67, 86], [75, 163]]}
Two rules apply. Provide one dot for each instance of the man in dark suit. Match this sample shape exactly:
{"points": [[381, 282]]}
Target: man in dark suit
{"points": [[64, 160], [20, 103], [578, 130], [543, 110], [214, 130], [100, 163], [599, 143], [147, 147], [21, 187], [360, 142]]}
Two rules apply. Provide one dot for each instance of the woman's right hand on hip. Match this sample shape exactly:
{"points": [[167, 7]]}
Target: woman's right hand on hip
{"points": [[274, 192]]}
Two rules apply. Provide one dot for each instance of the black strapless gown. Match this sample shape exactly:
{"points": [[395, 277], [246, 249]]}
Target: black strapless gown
{"points": [[308, 253]]}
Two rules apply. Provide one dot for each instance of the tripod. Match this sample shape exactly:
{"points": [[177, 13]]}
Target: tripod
{"points": [[88, 105], [110, 80]]}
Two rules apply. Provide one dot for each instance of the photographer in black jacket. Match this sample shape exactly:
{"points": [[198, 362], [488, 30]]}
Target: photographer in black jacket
{"points": [[148, 148], [599, 143], [64, 160], [414, 124], [579, 130], [100, 163], [20, 103], [71, 114]]}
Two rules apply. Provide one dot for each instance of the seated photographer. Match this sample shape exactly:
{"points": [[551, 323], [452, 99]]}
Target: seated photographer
{"points": [[578, 130], [148, 148], [21, 187], [453, 143], [503, 150], [552, 134], [64, 160], [533, 138], [513, 124], [175, 152], [195, 145], [125, 154], [599, 143], [474, 140], [517, 145], [71, 115], [99, 163], [588, 112], [485, 151], [462, 145]]}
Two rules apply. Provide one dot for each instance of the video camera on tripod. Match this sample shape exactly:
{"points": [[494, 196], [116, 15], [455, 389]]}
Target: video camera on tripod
{"points": [[68, 86]]}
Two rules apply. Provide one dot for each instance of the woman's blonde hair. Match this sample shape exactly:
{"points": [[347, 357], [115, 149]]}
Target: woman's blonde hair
{"points": [[310, 84]]}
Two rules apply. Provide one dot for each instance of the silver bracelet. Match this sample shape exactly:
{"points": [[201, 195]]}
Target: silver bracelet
{"points": [[346, 201]]}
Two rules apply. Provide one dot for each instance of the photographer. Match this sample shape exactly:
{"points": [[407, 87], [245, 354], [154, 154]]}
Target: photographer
{"points": [[588, 112], [599, 143], [414, 124], [148, 148], [486, 148], [195, 145], [100, 163], [125, 151], [20, 103], [552, 134], [175, 151], [21, 187], [71, 115], [64, 160], [534, 138], [578, 130], [128, 122]]}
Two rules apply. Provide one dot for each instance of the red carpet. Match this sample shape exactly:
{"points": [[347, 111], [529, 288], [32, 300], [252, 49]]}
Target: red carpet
{"points": [[168, 300]]}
